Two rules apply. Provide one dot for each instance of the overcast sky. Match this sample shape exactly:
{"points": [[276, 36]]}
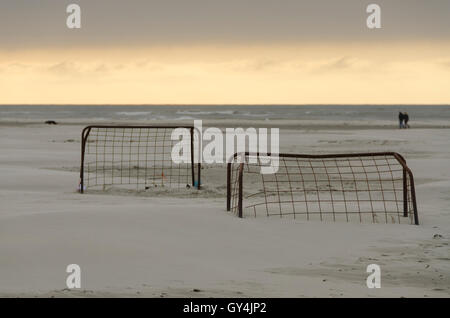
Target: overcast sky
{"points": [[225, 52], [31, 23]]}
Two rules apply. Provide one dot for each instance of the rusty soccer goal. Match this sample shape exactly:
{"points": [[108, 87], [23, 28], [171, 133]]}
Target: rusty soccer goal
{"points": [[135, 157], [363, 187]]}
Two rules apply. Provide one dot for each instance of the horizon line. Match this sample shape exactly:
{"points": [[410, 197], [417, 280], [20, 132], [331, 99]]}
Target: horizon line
{"points": [[218, 104]]}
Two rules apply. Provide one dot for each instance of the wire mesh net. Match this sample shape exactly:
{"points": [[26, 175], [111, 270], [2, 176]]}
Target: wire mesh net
{"points": [[376, 188], [135, 157]]}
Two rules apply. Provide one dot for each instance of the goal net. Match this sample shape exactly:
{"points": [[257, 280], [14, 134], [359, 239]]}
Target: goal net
{"points": [[136, 157], [368, 187]]}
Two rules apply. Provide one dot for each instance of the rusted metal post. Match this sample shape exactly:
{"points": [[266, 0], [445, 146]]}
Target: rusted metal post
{"points": [[228, 186], [192, 159], [84, 135], [405, 193], [241, 169], [413, 197]]}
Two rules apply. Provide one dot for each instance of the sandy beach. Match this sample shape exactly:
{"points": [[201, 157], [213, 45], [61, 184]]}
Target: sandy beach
{"points": [[147, 245]]}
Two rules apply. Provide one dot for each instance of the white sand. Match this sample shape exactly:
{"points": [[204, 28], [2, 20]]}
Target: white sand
{"points": [[156, 246]]}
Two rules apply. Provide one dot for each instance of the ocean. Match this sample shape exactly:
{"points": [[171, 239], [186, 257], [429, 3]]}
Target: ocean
{"points": [[423, 113]]}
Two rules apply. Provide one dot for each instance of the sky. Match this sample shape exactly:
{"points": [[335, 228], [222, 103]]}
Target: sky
{"points": [[224, 52]]}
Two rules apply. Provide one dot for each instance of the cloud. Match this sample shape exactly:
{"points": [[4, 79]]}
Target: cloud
{"points": [[63, 69], [340, 64], [15, 68], [257, 65], [445, 64], [148, 65], [101, 69], [262, 65], [77, 69], [18, 66]]}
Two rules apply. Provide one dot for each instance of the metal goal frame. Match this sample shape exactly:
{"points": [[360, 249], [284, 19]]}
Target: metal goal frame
{"points": [[385, 167], [87, 132]]}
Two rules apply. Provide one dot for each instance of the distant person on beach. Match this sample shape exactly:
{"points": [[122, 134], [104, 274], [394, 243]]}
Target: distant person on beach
{"points": [[401, 119], [406, 119]]}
